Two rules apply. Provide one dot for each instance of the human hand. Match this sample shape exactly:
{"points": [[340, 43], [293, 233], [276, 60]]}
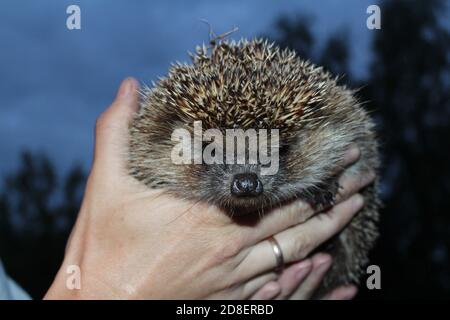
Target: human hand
{"points": [[301, 279], [133, 242]]}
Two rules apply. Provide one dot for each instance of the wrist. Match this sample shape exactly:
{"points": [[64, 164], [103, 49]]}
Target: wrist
{"points": [[68, 286]]}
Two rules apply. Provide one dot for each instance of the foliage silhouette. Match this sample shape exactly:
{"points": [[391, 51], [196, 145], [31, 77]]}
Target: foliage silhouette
{"points": [[408, 92], [36, 219]]}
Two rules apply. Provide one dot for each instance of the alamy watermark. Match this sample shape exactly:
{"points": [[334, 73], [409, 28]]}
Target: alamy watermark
{"points": [[374, 20], [73, 21], [374, 280], [73, 281], [241, 147]]}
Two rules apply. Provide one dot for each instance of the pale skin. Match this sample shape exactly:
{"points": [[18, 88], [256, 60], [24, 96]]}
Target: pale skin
{"points": [[131, 242]]}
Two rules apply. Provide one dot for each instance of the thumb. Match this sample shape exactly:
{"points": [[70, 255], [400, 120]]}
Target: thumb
{"points": [[111, 129]]}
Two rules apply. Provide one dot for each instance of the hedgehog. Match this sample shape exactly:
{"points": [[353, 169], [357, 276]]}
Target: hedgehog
{"points": [[254, 84]]}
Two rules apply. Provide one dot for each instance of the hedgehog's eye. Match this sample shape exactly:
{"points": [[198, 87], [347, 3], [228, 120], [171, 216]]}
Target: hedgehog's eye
{"points": [[284, 149]]}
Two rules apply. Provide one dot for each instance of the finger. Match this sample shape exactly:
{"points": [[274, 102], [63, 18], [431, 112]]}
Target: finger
{"points": [[352, 183], [279, 219], [267, 292], [350, 156], [288, 280], [300, 211], [264, 286], [342, 293], [321, 263], [292, 277], [111, 134], [297, 242], [255, 285]]}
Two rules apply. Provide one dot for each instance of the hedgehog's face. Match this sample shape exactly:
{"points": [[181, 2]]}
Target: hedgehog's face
{"points": [[299, 166], [249, 86]]}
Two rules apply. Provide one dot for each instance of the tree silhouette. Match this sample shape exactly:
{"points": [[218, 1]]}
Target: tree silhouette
{"points": [[335, 56], [408, 92], [35, 220], [296, 34]]}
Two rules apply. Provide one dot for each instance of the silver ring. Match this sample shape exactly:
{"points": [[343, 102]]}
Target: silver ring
{"points": [[278, 254]]}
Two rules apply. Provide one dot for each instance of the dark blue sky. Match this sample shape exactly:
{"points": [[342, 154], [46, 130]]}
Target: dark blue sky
{"points": [[54, 82]]}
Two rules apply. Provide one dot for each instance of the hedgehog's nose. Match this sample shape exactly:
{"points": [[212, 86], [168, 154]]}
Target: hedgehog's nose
{"points": [[246, 185]]}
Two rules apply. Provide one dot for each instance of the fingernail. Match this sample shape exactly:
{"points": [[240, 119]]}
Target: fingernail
{"points": [[125, 87], [349, 293], [353, 152], [372, 175], [271, 291], [303, 269], [323, 264], [358, 201]]}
